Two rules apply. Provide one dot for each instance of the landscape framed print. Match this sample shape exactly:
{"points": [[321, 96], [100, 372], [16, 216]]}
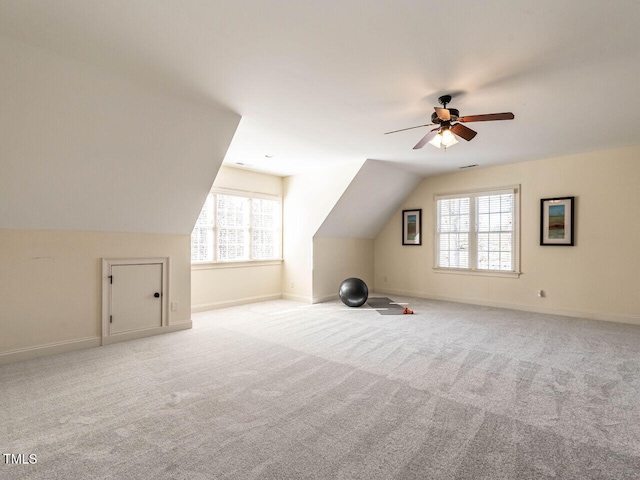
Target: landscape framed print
{"points": [[412, 227], [557, 221]]}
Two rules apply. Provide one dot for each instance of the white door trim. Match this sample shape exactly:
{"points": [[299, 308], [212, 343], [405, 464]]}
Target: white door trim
{"points": [[107, 263]]}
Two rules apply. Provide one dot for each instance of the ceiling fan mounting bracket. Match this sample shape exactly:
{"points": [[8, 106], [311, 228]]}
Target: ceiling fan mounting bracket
{"points": [[444, 99]]}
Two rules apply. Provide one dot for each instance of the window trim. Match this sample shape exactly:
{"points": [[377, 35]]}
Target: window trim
{"points": [[473, 232], [234, 264], [244, 262]]}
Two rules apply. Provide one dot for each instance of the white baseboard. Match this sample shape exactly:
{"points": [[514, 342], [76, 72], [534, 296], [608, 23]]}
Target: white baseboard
{"points": [[325, 298], [297, 298], [203, 307], [147, 332], [605, 317], [28, 353]]}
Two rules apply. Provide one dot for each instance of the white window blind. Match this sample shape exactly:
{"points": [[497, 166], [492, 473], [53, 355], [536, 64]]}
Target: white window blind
{"points": [[478, 231], [233, 228], [496, 234], [265, 229], [237, 228], [202, 235], [453, 227]]}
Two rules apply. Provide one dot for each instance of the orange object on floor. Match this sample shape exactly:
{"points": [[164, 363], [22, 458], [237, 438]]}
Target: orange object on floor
{"points": [[406, 310]]}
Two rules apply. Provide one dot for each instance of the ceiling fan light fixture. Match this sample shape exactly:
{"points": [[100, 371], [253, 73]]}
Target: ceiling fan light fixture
{"points": [[436, 141], [444, 138], [448, 138]]}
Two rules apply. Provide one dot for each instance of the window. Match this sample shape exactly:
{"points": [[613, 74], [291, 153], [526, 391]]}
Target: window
{"points": [[235, 227], [478, 232], [202, 235]]}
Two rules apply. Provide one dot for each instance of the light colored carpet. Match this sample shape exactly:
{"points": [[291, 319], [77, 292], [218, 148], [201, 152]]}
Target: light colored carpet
{"points": [[281, 390]]}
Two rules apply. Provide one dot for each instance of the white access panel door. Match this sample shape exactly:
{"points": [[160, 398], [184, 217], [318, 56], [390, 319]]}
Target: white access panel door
{"points": [[136, 297]]}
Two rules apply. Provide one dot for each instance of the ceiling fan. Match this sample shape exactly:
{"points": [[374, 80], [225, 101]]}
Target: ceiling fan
{"points": [[444, 135]]}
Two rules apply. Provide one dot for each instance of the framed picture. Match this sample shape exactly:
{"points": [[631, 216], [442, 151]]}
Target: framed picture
{"points": [[556, 221], [412, 227]]}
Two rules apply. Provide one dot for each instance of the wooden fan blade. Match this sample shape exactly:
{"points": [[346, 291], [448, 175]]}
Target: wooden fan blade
{"points": [[462, 131], [410, 128], [488, 117], [425, 139], [443, 113]]}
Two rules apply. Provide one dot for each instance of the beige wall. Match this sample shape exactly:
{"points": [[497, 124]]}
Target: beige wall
{"points": [[598, 278], [217, 287], [50, 282], [223, 285], [248, 181], [335, 259], [308, 199]]}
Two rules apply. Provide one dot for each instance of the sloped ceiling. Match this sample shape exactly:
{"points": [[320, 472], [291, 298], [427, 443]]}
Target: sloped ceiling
{"points": [[85, 149], [375, 193], [319, 82]]}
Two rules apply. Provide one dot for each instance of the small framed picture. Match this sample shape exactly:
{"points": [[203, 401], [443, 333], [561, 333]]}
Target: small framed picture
{"points": [[557, 221], [412, 227]]}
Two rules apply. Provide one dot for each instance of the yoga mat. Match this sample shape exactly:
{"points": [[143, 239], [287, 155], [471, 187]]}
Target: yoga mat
{"points": [[385, 306]]}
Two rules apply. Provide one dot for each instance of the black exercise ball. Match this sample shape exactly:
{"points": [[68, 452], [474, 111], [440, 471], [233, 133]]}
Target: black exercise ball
{"points": [[353, 292]]}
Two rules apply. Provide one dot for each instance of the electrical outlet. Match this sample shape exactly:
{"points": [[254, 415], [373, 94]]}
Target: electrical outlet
{"points": [[174, 306], [293, 285], [541, 293], [385, 279]]}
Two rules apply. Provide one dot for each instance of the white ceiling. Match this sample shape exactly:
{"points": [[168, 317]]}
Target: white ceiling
{"points": [[378, 189], [319, 82], [85, 149]]}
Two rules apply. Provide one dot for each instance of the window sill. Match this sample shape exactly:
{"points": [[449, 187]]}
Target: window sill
{"points": [[244, 264], [478, 273]]}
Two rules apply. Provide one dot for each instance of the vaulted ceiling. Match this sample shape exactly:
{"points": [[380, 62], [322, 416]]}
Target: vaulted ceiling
{"points": [[85, 149], [319, 82]]}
